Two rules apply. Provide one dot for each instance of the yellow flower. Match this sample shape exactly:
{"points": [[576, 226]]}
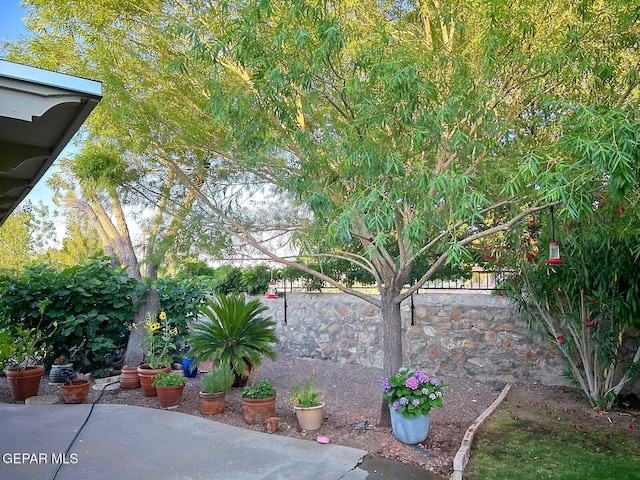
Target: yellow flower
{"points": [[175, 330], [148, 323], [154, 326], [162, 316], [134, 326]]}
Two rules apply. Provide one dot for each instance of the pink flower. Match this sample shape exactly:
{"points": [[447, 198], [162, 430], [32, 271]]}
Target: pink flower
{"points": [[412, 383]]}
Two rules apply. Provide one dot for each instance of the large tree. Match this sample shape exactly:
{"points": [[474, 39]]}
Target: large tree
{"points": [[413, 131], [399, 132]]}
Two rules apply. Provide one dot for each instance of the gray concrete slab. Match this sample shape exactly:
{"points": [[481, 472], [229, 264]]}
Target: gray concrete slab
{"points": [[125, 442]]}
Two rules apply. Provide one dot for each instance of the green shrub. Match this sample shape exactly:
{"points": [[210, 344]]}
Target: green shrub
{"points": [[181, 300], [220, 379], [584, 307], [89, 310]]}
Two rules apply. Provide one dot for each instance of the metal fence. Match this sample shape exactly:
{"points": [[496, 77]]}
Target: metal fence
{"points": [[479, 280]]}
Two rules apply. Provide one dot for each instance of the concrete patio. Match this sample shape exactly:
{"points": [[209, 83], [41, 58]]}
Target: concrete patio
{"points": [[126, 442]]}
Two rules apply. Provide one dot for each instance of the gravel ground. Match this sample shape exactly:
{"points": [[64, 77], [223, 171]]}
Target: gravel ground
{"points": [[352, 409]]}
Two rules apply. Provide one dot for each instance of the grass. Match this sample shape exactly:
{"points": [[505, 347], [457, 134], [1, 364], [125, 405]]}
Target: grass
{"points": [[512, 448]]}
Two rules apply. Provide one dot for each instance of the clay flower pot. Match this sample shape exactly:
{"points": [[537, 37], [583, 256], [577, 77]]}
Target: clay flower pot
{"points": [[147, 376], [76, 392], [257, 410], [272, 424], [129, 378], [24, 383], [212, 403], [169, 397]]}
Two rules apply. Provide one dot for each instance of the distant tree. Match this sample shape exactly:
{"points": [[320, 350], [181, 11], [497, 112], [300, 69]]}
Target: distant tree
{"points": [[79, 243], [16, 245], [25, 237]]}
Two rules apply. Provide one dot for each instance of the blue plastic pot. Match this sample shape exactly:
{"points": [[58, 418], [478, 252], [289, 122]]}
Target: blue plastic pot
{"points": [[409, 430], [187, 370]]}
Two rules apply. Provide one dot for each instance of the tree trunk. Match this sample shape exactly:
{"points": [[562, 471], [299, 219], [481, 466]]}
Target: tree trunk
{"points": [[392, 343], [150, 302]]}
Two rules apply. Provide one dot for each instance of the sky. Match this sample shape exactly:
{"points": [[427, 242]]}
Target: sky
{"points": [[11, 15], [11, 26]]}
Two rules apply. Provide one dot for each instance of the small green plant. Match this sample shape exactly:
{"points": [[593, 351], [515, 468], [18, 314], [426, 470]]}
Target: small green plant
{"points": [[220, 379], [263, 390], [165, 379], [306, 396], [22, 347], [158, 340]]}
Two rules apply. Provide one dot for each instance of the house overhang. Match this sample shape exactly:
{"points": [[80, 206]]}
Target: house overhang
{"points": [[40, 111]]}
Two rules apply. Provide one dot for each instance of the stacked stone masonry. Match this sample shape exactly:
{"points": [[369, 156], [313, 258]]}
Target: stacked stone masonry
{"points": [[460, 334]]}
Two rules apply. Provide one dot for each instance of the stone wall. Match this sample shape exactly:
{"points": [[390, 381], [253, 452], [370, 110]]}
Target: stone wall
{"points": [[459, 334]]}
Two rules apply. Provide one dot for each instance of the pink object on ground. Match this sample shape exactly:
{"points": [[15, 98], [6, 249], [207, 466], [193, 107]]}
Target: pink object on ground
{"points": [[323, 439]]}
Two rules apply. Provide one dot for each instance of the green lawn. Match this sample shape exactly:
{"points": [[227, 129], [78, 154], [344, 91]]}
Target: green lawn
{"points": [[518, 449]]}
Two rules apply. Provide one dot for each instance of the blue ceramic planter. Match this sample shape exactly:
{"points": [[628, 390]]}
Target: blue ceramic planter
{"points": [[409, 430], [187, 370]]}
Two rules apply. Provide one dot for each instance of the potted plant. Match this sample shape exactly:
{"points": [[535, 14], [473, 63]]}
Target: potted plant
{"points": [[258, 402], [308, 405], [233, 332], [215, 384], [74, 390], [157, 346], [21, 350], [169, 387], [59, 364], [411, 395]]}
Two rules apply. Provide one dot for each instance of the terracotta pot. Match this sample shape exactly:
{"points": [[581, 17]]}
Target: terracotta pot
{"points": [[24, 383], [76, 392], [211, 403], [310, 418], [147, 376], [272, 424], [259, 409], [169, 397], [129, 378]]}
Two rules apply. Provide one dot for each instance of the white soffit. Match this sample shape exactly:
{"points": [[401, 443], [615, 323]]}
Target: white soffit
{"points": [[40, 111]]}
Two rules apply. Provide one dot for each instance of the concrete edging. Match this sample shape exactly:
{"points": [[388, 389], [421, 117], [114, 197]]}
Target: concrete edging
{"points": [[464, 452]]}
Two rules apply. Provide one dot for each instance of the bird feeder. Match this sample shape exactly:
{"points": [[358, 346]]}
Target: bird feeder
{"points": [[554, 254], [554, 247], [272, 292]]}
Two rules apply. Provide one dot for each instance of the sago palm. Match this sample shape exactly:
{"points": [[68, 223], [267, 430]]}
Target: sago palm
{"points": [[233, 332]]}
